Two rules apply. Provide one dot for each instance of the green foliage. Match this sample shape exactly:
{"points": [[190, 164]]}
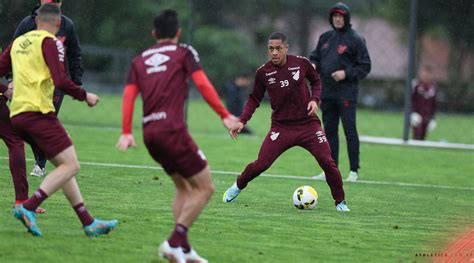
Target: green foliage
{"points": [[225, 53]]}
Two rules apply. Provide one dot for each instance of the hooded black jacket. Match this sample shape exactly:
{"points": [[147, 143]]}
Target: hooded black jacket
{"points": [[342, 49], [68, 35]]}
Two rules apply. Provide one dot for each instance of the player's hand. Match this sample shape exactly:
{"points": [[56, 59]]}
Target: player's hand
{"points": [[230, 122], [338, 75], [236, 130], [9, 92], [125, 141], [92, 99], [312, 108], [432, 125], [415, 119]]}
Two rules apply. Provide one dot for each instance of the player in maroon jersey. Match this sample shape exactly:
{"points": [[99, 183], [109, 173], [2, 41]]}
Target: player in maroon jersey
{"points": [[160, 74], [294, 119], [16, 148], [423, 100]]}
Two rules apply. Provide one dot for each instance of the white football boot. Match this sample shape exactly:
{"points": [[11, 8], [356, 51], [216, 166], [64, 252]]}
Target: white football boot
{"points": [[353, 176], [231, 194], [174, 255], [38, 171], [342, 207], [321, 176], [193, 257]]}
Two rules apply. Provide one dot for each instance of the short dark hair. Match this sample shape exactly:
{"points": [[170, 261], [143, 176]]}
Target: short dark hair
{"points": [[166, 24], [49, 13], [277, 35]]}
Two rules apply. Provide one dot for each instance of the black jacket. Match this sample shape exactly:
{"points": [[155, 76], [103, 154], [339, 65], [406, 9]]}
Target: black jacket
{"points": [[342, 49], [68, 35]]}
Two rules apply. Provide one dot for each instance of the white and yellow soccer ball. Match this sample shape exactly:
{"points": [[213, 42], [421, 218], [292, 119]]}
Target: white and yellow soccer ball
{"points": [[305, 197]]}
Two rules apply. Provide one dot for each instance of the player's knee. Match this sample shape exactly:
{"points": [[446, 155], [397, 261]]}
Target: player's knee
{"points": [[74, 167]]}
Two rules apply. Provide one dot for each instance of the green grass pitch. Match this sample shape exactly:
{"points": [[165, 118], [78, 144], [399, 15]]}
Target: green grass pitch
{"points": [[389, 222]]}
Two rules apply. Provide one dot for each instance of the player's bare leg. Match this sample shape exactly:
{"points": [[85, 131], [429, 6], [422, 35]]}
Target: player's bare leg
{"points": [[67, 167], [183, 193], [192, 195]]}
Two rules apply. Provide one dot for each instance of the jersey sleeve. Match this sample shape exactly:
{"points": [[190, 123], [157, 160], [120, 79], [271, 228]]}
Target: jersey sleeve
{"points": [[5, 61], [209, 93], [314, 81], [255, 98], [191, 61], [53, 52]]}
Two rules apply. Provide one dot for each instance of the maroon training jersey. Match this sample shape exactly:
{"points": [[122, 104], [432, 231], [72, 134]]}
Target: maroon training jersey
{"points": [[288, 90], [161, 73], [424, 99]]}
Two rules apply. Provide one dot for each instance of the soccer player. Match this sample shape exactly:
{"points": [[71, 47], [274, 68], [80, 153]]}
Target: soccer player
{"points": [[68, 35], [160, 74], [294, 119], [423, 103], [16, 148], [37, 62], [342, 60]]}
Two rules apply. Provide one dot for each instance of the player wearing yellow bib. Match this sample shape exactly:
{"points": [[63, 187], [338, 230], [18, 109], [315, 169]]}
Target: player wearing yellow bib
{"points": [[37, 62]]}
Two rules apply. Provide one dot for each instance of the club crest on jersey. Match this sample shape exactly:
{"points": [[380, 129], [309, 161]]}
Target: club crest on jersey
{"points": [[155, 62], [271, 81], [274, 135], [341, 49], [296, 75]]}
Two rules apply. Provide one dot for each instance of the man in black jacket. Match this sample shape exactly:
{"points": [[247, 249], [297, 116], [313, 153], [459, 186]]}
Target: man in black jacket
{"points": [[342, 59], [68, 35]]}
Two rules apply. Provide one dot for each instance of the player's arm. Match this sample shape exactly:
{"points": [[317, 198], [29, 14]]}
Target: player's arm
{"points": [[6, 61], [53, 52], [130, 93], [315, 83], [209, 93], [362, 64], [255, 98]]}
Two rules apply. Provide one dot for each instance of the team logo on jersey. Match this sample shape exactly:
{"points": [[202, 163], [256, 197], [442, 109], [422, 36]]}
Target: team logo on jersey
{"points": [[155, 62], [274, 135], [296, 75], [341, 49], [271, 81]]}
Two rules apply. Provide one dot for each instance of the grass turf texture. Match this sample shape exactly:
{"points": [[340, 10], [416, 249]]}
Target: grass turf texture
{"points": [[387, 222]]}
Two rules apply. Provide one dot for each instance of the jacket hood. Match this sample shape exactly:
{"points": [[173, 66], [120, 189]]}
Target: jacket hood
{"points": [[343, 9]]}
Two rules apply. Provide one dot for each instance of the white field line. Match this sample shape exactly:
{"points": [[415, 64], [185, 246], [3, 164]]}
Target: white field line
{"points": [[431, 144], [362, 138], [297, 177]]}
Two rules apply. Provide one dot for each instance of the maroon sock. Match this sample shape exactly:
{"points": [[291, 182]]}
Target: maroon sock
{"points": [[179, 237], [83, 214], [38, 197]]}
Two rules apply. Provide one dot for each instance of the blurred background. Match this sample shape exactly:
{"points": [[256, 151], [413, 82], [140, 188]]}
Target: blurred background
{"points": [[231, 39]]}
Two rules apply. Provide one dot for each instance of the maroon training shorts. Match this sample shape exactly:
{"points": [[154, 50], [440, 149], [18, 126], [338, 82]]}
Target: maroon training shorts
{"points": [[176, 151], [44, 130]]}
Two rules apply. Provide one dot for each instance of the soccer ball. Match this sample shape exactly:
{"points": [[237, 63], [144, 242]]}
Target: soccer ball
{"points": [[305, 197]]}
